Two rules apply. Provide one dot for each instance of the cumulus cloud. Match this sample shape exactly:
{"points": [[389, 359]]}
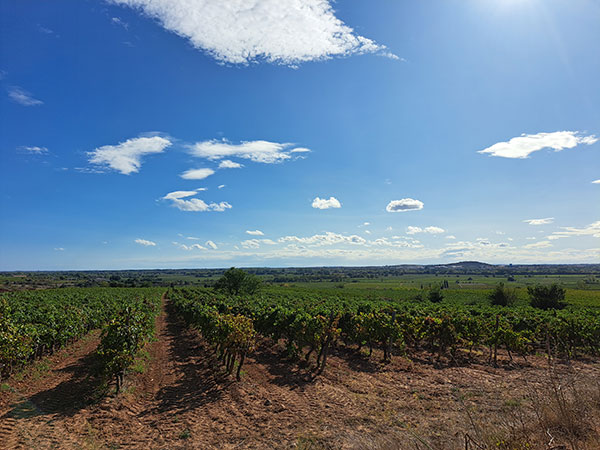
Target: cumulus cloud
{"points": [[255, 233], [145, 242], [405, 204], [181, 200], [22, 97], [545, 221], [524, 145], [276, 31], [197, 174], [126, 157], [228, 164], [211, 244], [430, 230], [591, 230], [257, 151], [322, 203]]}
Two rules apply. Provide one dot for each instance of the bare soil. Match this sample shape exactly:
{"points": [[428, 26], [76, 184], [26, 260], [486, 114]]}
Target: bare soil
{"points": [[184, 400]]}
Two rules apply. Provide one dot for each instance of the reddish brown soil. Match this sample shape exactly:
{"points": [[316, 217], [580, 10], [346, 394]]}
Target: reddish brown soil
{"points": [[184, 400]]}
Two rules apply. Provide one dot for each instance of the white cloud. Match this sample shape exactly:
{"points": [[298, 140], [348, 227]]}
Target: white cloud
{"points": [[179, 194], [524, 145], [591, 230], [211, 244], [596, 182], [145, 243], [322, 203], [366, 224], [193, 204], [413, 230], [434, 230], [251, 243], [197, 174], [367, 232], [228, 164], [221, 186], [276, 31], [545, 221], [255, 233], [22, 97], [301, 150], [430, 230], [59, 249], [255, 243], [531, 238], [35, 150], [329, 238], [405, 204], [126, 157], [257, 151], [450, 237], [189, 247], [541, 244]]}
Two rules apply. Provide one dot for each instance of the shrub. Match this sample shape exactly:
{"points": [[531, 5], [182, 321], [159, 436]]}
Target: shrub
{"points": [[503, 296], [435, 296], [547, 297]]}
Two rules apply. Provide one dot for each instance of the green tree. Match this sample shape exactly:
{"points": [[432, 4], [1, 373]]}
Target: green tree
{"points": [[547, 297], [238, 282], [502, 295]]}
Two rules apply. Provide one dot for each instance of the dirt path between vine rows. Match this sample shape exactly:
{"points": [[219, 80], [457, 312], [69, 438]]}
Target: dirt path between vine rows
{"points": [[184, 400]]}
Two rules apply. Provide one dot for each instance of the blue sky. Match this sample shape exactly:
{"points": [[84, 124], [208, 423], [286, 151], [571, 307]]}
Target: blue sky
{"points": [[202, 133]]}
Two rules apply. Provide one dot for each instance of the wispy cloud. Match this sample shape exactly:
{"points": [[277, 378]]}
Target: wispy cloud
{"points": [[540, 244], [197, 174], [545, 221], [322, 203], [257, 151], [59, 249], [276, 31], [126, 157], [34, 150], [211, 244], [181, 200], [405, 204], [22, 97], [255, 233], [591, 230], [145, 243], [524, 145], [596, 182], [118, 21]]}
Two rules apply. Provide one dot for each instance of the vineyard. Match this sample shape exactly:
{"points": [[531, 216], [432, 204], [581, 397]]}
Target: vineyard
{"points": [[37, 323], [312, 325], [295, 366]]}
